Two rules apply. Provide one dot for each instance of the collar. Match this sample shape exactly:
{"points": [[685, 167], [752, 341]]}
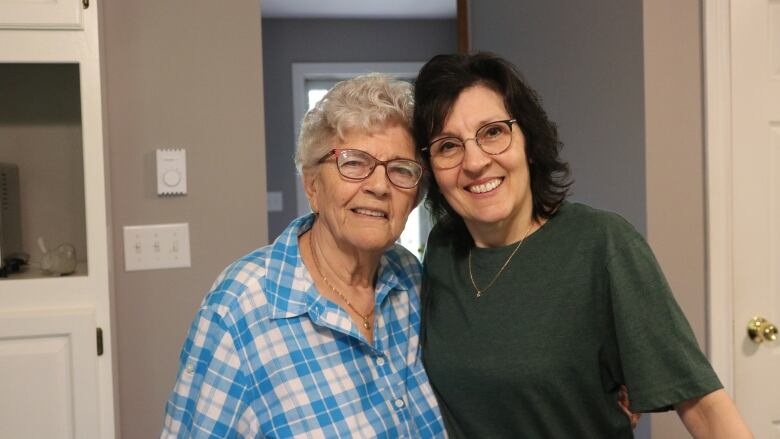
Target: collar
{"points": [[288, 284]]}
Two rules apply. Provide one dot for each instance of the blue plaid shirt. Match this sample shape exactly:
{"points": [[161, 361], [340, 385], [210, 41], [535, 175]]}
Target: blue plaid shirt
{"points": [[267, 356]]}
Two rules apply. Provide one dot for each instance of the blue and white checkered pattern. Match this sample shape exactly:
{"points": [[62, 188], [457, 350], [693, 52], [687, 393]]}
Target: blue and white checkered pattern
{"points": [[267, 356]]}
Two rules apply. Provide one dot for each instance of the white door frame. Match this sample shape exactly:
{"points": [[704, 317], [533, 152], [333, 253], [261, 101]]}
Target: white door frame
{"points": [[718, 152], [305, 71]]}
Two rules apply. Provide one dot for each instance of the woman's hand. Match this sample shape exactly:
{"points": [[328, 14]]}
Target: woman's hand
{"points": [[623, 402], [713, 415]]}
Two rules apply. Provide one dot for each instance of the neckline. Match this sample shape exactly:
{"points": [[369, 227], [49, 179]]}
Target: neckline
{"points": [[535, 236]]}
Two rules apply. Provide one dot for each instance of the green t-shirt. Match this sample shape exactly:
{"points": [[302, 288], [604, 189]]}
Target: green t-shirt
{"points": [[581, 308]]}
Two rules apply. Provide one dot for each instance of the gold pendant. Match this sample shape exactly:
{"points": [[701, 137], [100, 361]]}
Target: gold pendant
{"points": [[365, 323]]}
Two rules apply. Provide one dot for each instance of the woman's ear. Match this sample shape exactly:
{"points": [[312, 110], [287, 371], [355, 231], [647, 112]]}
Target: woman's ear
{"points": [[310, 186]]}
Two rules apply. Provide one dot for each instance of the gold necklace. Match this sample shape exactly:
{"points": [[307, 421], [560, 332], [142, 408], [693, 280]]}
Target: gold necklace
{"points": [[349, 304], [471, 276]]}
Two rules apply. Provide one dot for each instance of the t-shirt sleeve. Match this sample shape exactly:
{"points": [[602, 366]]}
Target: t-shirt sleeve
{"points": [[660, 360], [207, 398]]}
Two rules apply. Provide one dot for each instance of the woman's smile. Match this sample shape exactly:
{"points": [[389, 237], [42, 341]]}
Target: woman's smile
{"points": [[488, 186], [371, 213]]}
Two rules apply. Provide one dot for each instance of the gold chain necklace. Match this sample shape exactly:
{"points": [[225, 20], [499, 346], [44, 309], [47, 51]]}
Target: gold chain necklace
{"points": [[349, 304], [471, 276]]}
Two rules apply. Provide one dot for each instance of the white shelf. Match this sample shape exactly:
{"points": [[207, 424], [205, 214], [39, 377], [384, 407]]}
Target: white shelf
{"points": [[34, 272]]}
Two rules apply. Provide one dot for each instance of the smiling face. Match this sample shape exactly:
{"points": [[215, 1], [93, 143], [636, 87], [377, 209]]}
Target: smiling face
{"points": [[492, 193], [368, 215]]}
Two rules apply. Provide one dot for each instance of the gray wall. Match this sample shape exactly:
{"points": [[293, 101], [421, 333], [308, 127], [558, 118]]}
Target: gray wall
{"points": [[623, 79], [675, 163], [157, 53], [184, 74], [287, 40], [585, 60]]}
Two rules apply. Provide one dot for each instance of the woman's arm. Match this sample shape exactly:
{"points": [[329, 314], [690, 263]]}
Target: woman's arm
{"points": [[713, 415]]}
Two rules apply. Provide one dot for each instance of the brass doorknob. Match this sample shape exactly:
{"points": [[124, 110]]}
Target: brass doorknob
{"points": [[759, 330]]}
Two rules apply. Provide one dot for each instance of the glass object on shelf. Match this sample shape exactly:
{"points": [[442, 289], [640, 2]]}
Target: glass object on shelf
{"points": [[61, 260]]}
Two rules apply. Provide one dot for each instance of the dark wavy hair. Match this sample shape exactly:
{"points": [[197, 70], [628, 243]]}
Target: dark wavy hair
{"points": [[438, 85]]}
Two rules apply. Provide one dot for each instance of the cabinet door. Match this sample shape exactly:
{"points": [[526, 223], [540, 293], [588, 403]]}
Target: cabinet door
{"points": [[32, 14], [48, 377]]}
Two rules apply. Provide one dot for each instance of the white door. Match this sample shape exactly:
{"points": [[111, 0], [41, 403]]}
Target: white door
{"points": [[54, 382], [755, 27], [744, 201]]}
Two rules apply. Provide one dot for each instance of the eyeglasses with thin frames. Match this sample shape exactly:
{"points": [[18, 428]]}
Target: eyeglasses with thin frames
{"points": [[493, 138], [358, 165]]}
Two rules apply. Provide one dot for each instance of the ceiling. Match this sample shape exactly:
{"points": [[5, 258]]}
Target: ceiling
{"points": [[358, 8]]}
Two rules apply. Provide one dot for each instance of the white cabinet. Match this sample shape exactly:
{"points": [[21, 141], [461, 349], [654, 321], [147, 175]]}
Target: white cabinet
{"points": [[54, 383], [53, 14]]}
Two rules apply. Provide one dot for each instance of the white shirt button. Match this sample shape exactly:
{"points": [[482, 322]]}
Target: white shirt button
{"points": [[380, 361], [399, 403]]}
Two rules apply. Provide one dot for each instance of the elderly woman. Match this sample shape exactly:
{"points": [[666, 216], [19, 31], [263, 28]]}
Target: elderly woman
{"points": [[537, 310], [316, 335]]}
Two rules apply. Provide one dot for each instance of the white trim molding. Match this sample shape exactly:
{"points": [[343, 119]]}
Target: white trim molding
{"points": [[718, 151]]}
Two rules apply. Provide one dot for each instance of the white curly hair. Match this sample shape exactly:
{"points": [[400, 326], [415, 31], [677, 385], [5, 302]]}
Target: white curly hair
{"points": [[367, 103]]}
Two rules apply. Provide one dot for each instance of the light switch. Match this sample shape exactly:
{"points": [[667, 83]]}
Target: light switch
{"points": [[171, 172], [157, 246]]}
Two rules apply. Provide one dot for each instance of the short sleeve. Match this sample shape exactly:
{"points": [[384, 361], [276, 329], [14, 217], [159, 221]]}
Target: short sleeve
{"points": [[658, 355], [208, 397]]}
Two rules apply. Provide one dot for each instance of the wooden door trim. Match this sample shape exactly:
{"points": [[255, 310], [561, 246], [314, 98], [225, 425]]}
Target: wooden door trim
{"points": [[464, 39], [719, 181]]}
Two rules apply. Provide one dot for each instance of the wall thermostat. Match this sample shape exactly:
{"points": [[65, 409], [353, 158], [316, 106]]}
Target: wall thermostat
{"points": [[171, 172]]}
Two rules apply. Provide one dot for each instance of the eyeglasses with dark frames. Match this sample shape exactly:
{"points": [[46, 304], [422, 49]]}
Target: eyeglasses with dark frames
{"points": [[358, 165], [493, 138]]}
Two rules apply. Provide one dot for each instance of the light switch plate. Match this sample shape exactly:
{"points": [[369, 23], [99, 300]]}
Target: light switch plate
{"points": [[153, 247], [171, 172]]}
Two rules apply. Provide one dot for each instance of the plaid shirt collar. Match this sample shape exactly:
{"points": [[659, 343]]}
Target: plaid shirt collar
{"points": [[289, 299]]}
